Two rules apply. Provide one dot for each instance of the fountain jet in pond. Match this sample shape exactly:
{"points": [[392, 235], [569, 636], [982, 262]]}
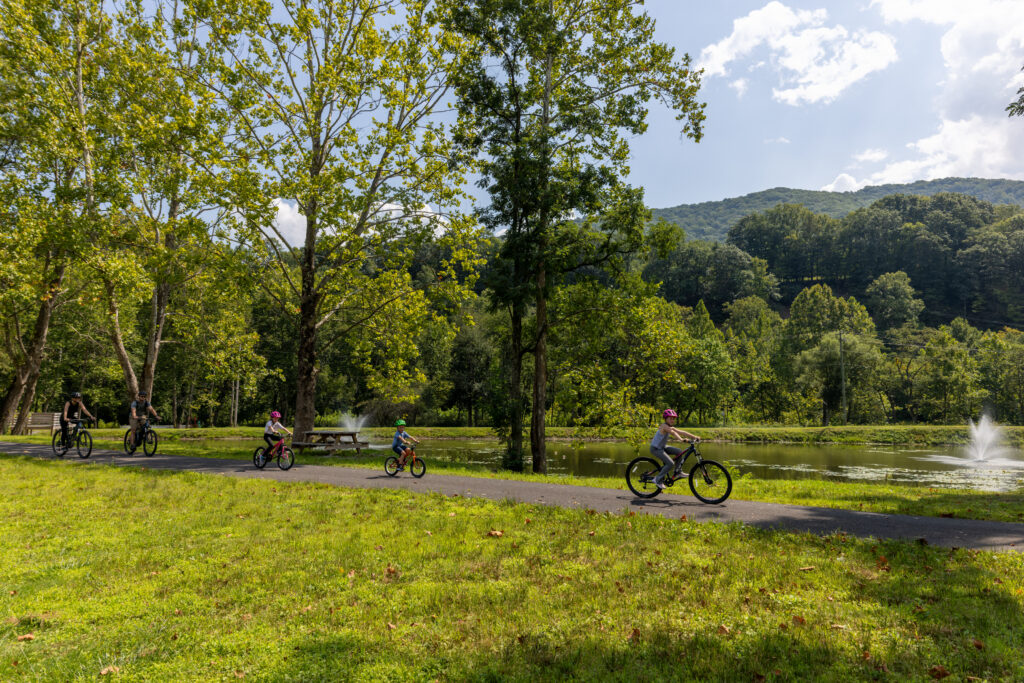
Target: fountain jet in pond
{"points": [[352, 423], [986, 439]]}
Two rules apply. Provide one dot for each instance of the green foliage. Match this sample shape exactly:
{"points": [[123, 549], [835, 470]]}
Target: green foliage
{"points": [[890, 299], [712, 220]]}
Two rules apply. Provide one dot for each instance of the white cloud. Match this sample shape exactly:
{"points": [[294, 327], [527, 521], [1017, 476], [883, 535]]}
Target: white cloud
{"points": [[973, 136], [816, 63], [290, 223], [740, 86], [871, 155], [843, 183], [776, 141]]}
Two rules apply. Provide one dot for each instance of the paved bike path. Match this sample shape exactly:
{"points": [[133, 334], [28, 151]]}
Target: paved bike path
{"points": [[961, 533]]}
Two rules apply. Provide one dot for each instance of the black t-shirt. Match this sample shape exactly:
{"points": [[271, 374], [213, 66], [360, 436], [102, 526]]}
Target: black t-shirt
{"points": [[73, 410], [140, 407]]}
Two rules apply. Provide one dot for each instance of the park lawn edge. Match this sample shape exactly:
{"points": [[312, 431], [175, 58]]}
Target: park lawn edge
{"points": [[859, 496], [200, 578]]}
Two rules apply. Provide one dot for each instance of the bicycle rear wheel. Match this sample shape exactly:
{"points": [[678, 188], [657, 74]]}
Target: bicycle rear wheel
{"points": [[417, 468], [84, 444], [59, 449], [710, 482], [285, 459], [259, 459], [149, 443], [391, 466], [640, 475]]}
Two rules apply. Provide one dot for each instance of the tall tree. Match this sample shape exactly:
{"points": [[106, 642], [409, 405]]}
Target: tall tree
{"points": [[553, 89], [334, 104], [57, 143]]}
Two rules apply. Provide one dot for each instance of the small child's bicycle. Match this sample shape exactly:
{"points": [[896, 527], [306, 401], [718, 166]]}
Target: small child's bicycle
{"points": [[709, 480], [263, 455], [417, 467]]}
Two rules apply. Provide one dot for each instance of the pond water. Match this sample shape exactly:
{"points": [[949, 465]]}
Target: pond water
{"points": [[934, 466]]}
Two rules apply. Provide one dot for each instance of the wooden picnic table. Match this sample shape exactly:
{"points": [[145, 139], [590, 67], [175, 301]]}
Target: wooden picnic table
{"points": [[330, 440]]}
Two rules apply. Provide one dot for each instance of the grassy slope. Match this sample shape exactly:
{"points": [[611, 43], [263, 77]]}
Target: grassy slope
{"points": [[869, 497], [189, 577]]}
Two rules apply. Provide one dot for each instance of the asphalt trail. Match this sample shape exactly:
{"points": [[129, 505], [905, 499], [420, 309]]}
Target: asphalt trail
{"points": [[960, 533]]}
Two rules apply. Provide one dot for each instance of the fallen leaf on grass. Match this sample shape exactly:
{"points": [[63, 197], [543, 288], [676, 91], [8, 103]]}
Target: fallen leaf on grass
{"points": [[27, 636], [495, 533], [591, 533], [808, 568], [724, 630], [799, 620], [938, 671], [840, 627], [305, 609], [110, 670], [378, 547], [177, 612], [451, 514], [978, 644], [14, 592], [391, 570], [635, 635], [865, 655], [239, 674], [391, 627], [429, 534]]}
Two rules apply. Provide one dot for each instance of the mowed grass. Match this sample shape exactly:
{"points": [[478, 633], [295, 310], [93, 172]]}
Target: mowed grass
{"points": [[864, 496], [180, 576]]}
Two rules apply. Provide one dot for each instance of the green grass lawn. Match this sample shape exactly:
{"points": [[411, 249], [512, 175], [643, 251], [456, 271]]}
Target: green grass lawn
{"points": [[869, 497], [178, 576]]}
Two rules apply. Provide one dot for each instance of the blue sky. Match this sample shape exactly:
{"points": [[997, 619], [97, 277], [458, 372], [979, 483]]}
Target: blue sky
{"points": [[821, 94], [837, 95]]}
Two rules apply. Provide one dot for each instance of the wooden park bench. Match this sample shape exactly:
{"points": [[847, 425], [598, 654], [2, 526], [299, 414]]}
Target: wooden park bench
{"points": [[36, 421], [330, 440]]}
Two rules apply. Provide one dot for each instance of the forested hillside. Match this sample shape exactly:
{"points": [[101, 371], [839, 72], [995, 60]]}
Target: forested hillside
{"points": [[711, 220]]}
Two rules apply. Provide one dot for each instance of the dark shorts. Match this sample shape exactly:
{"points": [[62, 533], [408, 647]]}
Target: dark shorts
{"points": [[400, 449]]}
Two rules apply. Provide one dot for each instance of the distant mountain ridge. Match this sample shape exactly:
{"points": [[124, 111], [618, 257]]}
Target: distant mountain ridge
{"points": [[712, 220]]}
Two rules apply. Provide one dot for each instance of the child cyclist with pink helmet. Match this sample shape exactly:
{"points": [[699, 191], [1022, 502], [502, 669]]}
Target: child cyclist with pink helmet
{"points": [[271, 430], [660, 448]]}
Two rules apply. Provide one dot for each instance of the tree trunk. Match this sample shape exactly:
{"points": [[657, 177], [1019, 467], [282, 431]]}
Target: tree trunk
{"points": [[305, 394], [538, 443], [114, 313], [21, 426], [514, 457], [26, 376]]}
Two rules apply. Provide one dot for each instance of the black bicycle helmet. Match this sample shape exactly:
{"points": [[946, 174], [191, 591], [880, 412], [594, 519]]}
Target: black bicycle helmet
{"points": [[143, 393], [76, 394]]}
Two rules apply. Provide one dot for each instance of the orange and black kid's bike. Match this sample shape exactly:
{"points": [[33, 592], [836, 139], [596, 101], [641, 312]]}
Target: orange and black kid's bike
{"points": [[417, 467], [263, 455], [709, 480]]}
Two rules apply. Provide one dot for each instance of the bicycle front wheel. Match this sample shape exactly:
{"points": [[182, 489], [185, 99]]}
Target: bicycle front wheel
{"points": [[59, 449], [286, 459], [149, 443], [640, 475], [710, 482], [417, 468], [259, 459], [84, 444], [391, 466], [128, 445]]}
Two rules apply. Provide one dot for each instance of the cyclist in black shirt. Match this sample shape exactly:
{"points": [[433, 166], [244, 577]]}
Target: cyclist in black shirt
{"points": [[139, 409], [73, 408]]}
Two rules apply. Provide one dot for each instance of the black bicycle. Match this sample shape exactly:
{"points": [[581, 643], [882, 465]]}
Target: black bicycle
{"points": [[144, 436], [709, 480], [78, 437]]}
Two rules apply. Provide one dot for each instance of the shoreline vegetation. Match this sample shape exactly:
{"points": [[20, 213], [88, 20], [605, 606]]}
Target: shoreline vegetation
{"points": [[894, 435]]}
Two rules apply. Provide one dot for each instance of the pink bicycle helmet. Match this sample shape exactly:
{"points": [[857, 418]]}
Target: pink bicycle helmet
{"points": [[669, 413], [274, 414]]}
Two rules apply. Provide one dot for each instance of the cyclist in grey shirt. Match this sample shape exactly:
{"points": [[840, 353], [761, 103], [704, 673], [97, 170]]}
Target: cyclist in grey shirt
{"points": [[665, 452]]}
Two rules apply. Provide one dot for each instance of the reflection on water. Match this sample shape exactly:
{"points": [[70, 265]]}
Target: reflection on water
{"points": [[939, 466], [935, 466]]}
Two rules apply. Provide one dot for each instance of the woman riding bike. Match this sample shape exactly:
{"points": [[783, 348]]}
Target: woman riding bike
{"points": [[661, 450]]}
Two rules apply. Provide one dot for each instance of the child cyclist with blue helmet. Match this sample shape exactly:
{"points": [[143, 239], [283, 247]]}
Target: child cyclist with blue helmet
{"points": [[665, 452], [401, 443]]}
